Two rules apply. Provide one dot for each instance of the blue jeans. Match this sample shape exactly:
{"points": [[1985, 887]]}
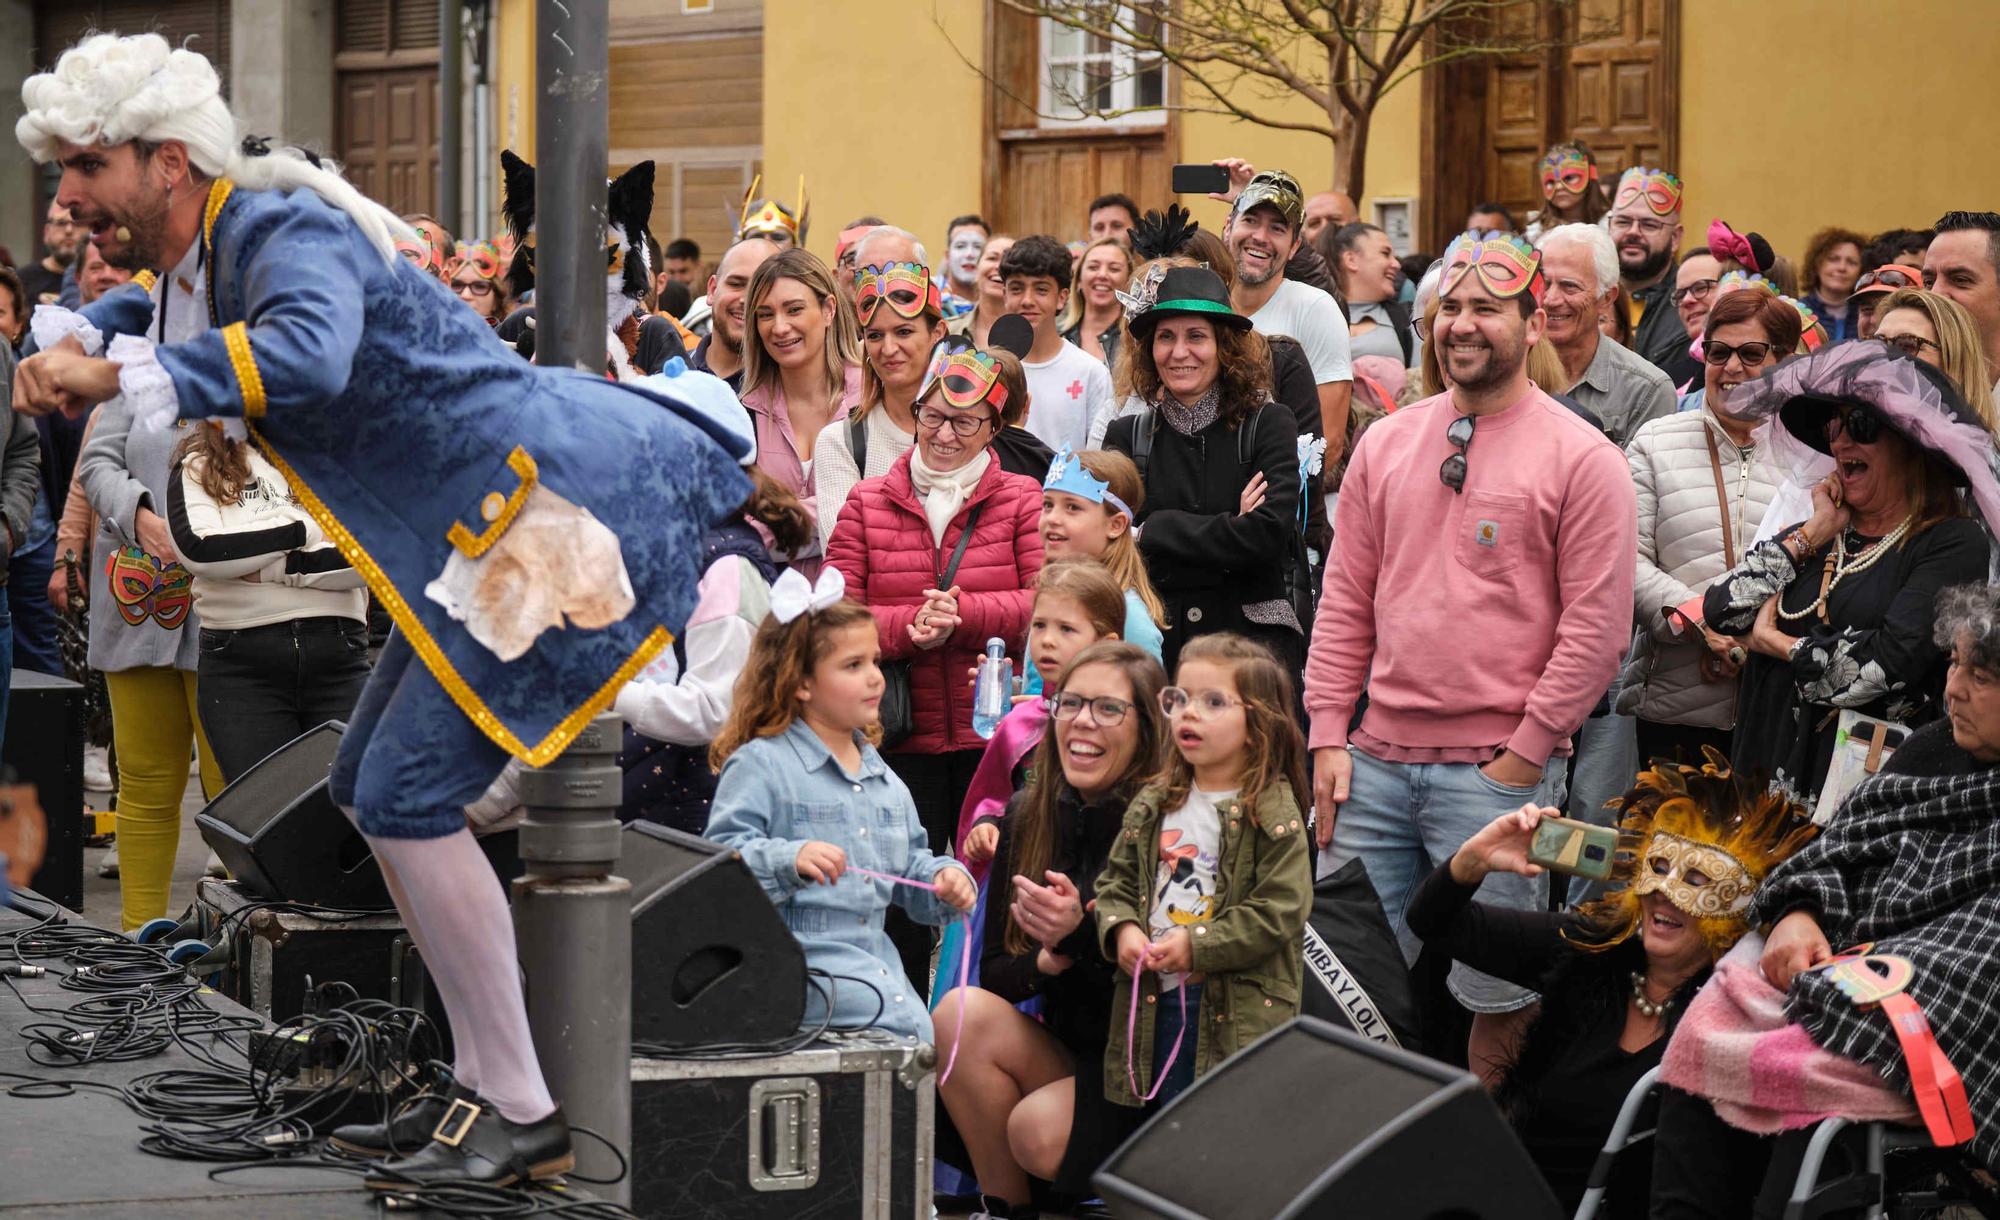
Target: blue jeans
{"points": [[1403, 819], [35, 643], [1165, 1028]]}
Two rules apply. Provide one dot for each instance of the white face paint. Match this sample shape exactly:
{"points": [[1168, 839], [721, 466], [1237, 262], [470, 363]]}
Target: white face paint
{"points": [[962, 255]]}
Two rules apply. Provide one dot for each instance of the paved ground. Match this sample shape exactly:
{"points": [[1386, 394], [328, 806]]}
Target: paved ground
{"points": [[100, 894]]}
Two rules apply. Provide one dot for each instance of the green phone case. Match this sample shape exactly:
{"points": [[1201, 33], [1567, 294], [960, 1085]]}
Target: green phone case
{"points": [[1576, 848]]}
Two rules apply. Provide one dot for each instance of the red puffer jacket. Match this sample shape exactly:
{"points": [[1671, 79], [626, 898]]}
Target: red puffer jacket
{"points": [[882, 545]]}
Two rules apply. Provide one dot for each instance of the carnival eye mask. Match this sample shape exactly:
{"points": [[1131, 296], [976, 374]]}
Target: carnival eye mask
{"points": [[1506, 264], [906, 288], [1568, 169], [1660, 190], [1698, 879], [967, 377]]}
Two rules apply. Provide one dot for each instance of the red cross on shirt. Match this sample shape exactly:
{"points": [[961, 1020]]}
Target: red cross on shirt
{"points": [[1076, 388]]}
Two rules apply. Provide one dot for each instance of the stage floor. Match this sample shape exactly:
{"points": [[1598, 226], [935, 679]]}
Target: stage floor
{"points": [[78, 1156]]}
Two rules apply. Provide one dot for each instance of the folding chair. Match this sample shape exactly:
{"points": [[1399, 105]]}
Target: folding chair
{"points": [[1618, 1141]]}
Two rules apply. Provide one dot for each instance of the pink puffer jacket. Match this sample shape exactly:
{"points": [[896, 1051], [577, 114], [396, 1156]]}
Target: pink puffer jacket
{"points": [[882, 545]]}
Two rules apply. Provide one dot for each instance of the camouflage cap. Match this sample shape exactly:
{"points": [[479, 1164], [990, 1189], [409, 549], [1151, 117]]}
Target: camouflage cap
{"points": [[1280, 190]]}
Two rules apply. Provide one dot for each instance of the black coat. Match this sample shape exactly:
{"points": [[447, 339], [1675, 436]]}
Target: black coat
{"points": [[1206, 560]]}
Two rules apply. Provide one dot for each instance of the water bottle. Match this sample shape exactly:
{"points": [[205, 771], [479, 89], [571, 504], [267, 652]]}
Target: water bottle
{"points": [[990, 693]]}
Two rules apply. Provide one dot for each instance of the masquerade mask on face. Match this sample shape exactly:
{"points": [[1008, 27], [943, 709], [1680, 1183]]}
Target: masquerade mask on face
{"points": [[1506, 264], [966, 375], [483, 258], [1568, 168], [1699, 879], [428, 253], [1660, 190], [1068, 474], [906, 288]]}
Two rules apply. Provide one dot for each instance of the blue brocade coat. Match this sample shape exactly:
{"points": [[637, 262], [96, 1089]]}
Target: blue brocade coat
{"points": [[408, 430]]}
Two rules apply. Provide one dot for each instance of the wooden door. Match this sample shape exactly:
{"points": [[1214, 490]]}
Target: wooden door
{"points": [[1047, 181], [386, 128], [1619, 89]]}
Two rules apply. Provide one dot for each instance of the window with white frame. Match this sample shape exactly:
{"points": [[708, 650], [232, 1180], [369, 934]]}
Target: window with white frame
{"points": [[1090, 78]]}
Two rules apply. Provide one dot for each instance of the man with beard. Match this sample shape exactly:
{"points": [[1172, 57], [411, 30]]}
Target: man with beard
{"points": [[1618, 387], [484, 499], [1645, 221], [958, 283], [1480, 587], [1264, 230], [721, 352], [42, 281]]}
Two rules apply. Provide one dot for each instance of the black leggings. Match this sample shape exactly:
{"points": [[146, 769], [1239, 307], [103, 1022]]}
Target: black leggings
{"points": [[1705, 1169]]}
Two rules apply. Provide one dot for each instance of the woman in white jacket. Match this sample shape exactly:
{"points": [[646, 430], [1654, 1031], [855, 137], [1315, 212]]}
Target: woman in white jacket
{"points": [[284, 637], [1703, 484]]}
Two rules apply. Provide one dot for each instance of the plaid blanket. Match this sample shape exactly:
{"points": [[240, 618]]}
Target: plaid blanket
{"points": [[1912, 864]]}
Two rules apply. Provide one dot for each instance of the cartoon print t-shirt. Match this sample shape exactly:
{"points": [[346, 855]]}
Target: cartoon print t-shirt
{"points": [[1184, 889]]}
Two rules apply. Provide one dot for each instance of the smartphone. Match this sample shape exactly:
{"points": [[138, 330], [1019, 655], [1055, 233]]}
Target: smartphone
{"points": [[1577, 848], [1200, 180]]}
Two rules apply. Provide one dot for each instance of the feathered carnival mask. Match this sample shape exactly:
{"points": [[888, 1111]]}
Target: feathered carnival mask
{"points": [[906, 288], [1703, 838], [771, 219]]}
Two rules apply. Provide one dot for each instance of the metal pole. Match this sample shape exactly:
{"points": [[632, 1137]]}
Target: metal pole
{"points": [[573, 921], [451, 114], [572, 118]]}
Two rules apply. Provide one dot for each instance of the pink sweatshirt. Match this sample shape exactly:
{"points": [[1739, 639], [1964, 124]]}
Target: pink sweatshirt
{"points": [[1493, 617]]}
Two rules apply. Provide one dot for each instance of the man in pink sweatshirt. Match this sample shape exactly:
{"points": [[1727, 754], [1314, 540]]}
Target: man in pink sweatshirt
{"points": [[1480, 591]]}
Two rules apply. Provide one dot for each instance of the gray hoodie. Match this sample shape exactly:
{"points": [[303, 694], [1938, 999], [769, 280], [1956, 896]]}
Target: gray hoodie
{"points": [[124, 469]]}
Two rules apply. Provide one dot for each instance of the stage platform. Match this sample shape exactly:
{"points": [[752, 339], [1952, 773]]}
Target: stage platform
{"points": [[78, 1156]]}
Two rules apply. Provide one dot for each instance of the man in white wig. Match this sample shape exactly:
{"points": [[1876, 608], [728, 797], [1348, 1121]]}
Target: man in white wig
{"points": [[534, 533]]}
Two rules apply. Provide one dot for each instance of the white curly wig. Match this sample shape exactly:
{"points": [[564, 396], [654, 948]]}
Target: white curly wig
{"points": [[110, 89]]}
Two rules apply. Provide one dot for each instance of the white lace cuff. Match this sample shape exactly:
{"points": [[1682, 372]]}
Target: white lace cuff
{"points": [[52, 324], [147, 386]]}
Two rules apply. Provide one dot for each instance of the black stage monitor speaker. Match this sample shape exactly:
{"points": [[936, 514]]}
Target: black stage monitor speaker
{"points": [[712, 962], [44, 746], [277, 830], [1314, 1122]]}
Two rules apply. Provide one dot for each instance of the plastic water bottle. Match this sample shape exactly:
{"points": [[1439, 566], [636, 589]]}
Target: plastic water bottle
{"points": [[990, 693]]}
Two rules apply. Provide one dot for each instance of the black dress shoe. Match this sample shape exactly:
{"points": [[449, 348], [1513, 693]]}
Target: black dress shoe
{"points": [[407, 1131], [473, 1143]]}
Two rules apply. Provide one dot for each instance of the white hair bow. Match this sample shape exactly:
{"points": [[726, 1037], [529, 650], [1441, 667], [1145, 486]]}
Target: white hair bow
{"points": [[792, 596]]}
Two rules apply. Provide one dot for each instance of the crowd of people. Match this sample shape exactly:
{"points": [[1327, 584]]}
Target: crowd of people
{"points": [[1307, 553]]}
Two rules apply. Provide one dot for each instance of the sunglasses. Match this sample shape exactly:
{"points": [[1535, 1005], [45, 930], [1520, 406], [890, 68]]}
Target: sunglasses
{"points": [[1890, 277], [1861, 425], [1106, 711], [1751, 354], [1912, 346], [1452, 472]]}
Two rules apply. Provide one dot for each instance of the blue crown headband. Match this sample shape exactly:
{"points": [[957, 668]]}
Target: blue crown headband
{"points": [[1068, 474]]}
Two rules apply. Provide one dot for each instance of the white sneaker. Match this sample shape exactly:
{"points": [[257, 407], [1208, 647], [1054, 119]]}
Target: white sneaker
{"points": [[97, 768], [108, 866]]}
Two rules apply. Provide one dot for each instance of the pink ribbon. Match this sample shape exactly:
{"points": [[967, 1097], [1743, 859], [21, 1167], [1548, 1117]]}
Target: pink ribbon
{"points": [[964, 958], [1132, 1035], [993, 779]]}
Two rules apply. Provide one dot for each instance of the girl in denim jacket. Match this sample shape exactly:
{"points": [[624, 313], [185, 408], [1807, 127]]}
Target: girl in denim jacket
{"points": [[808, 802]]}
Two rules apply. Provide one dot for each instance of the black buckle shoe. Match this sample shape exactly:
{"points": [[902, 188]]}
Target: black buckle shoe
{"points": [[409, 1128], [473, 1143]]}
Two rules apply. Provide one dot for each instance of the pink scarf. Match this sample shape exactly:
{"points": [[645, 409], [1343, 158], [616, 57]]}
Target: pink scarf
{"points": [[1763, 1073], [993, 780]]}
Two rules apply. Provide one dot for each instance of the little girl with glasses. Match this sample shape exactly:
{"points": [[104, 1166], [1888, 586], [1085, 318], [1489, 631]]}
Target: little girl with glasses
{"points": [[1203, 902], [808, 802]]}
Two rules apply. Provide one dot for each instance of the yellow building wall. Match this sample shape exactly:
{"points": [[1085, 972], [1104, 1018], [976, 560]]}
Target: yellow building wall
{"points": [[1821, 132], [514, 77], [869, 100]]}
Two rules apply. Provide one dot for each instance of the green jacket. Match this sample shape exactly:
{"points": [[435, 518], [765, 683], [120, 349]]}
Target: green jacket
{"points": [[1250, 951]]}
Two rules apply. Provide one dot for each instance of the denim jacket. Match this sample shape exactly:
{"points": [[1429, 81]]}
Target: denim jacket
{"points": [[775, 795]]}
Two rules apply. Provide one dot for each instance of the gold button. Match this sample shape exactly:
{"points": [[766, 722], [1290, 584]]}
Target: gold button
{"points": [[492, 506], [1201, 929], [1151, 998]]}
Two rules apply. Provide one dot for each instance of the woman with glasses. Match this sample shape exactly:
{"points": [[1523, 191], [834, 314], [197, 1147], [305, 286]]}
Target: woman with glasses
{"points": [[944, 548], [1571, 190], [1027, 1096], [1219, 460], [1704, 483], [1835, 613], [477, 276], [1935, 329], [1832, 265]]}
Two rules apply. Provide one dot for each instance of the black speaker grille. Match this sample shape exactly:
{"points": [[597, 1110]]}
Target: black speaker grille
{"points": [[265, 790]]}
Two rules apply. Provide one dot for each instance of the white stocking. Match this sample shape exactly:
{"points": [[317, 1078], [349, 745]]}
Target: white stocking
{"points": [[450, 891], [464, 1066]]}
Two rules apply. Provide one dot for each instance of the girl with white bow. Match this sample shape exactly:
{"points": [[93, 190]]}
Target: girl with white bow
{"points": [[823, 824]]}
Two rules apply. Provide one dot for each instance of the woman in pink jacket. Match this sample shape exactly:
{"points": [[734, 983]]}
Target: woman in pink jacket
{"points": [[945, 549]]}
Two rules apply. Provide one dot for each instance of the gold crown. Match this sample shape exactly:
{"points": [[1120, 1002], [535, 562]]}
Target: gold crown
{"points": [[762, 217]]}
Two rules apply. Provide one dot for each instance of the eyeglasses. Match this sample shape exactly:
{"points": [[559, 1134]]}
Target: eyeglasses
{"points": [[1891, 276], [1862, 426], [1635, 224], [1452, 473], [1174, 701], [931, 419], [1698, 290], [1910, 345], [1105, 710], [478, 288], [1751, 354]]}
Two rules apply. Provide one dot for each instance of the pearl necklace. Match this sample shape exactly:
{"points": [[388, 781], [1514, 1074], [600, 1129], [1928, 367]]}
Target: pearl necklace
{"points": [[1843, 569], [1647, 1008]]}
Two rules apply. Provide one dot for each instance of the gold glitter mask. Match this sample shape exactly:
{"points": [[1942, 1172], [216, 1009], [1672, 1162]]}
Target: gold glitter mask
{"points": [[1700, 880]]}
